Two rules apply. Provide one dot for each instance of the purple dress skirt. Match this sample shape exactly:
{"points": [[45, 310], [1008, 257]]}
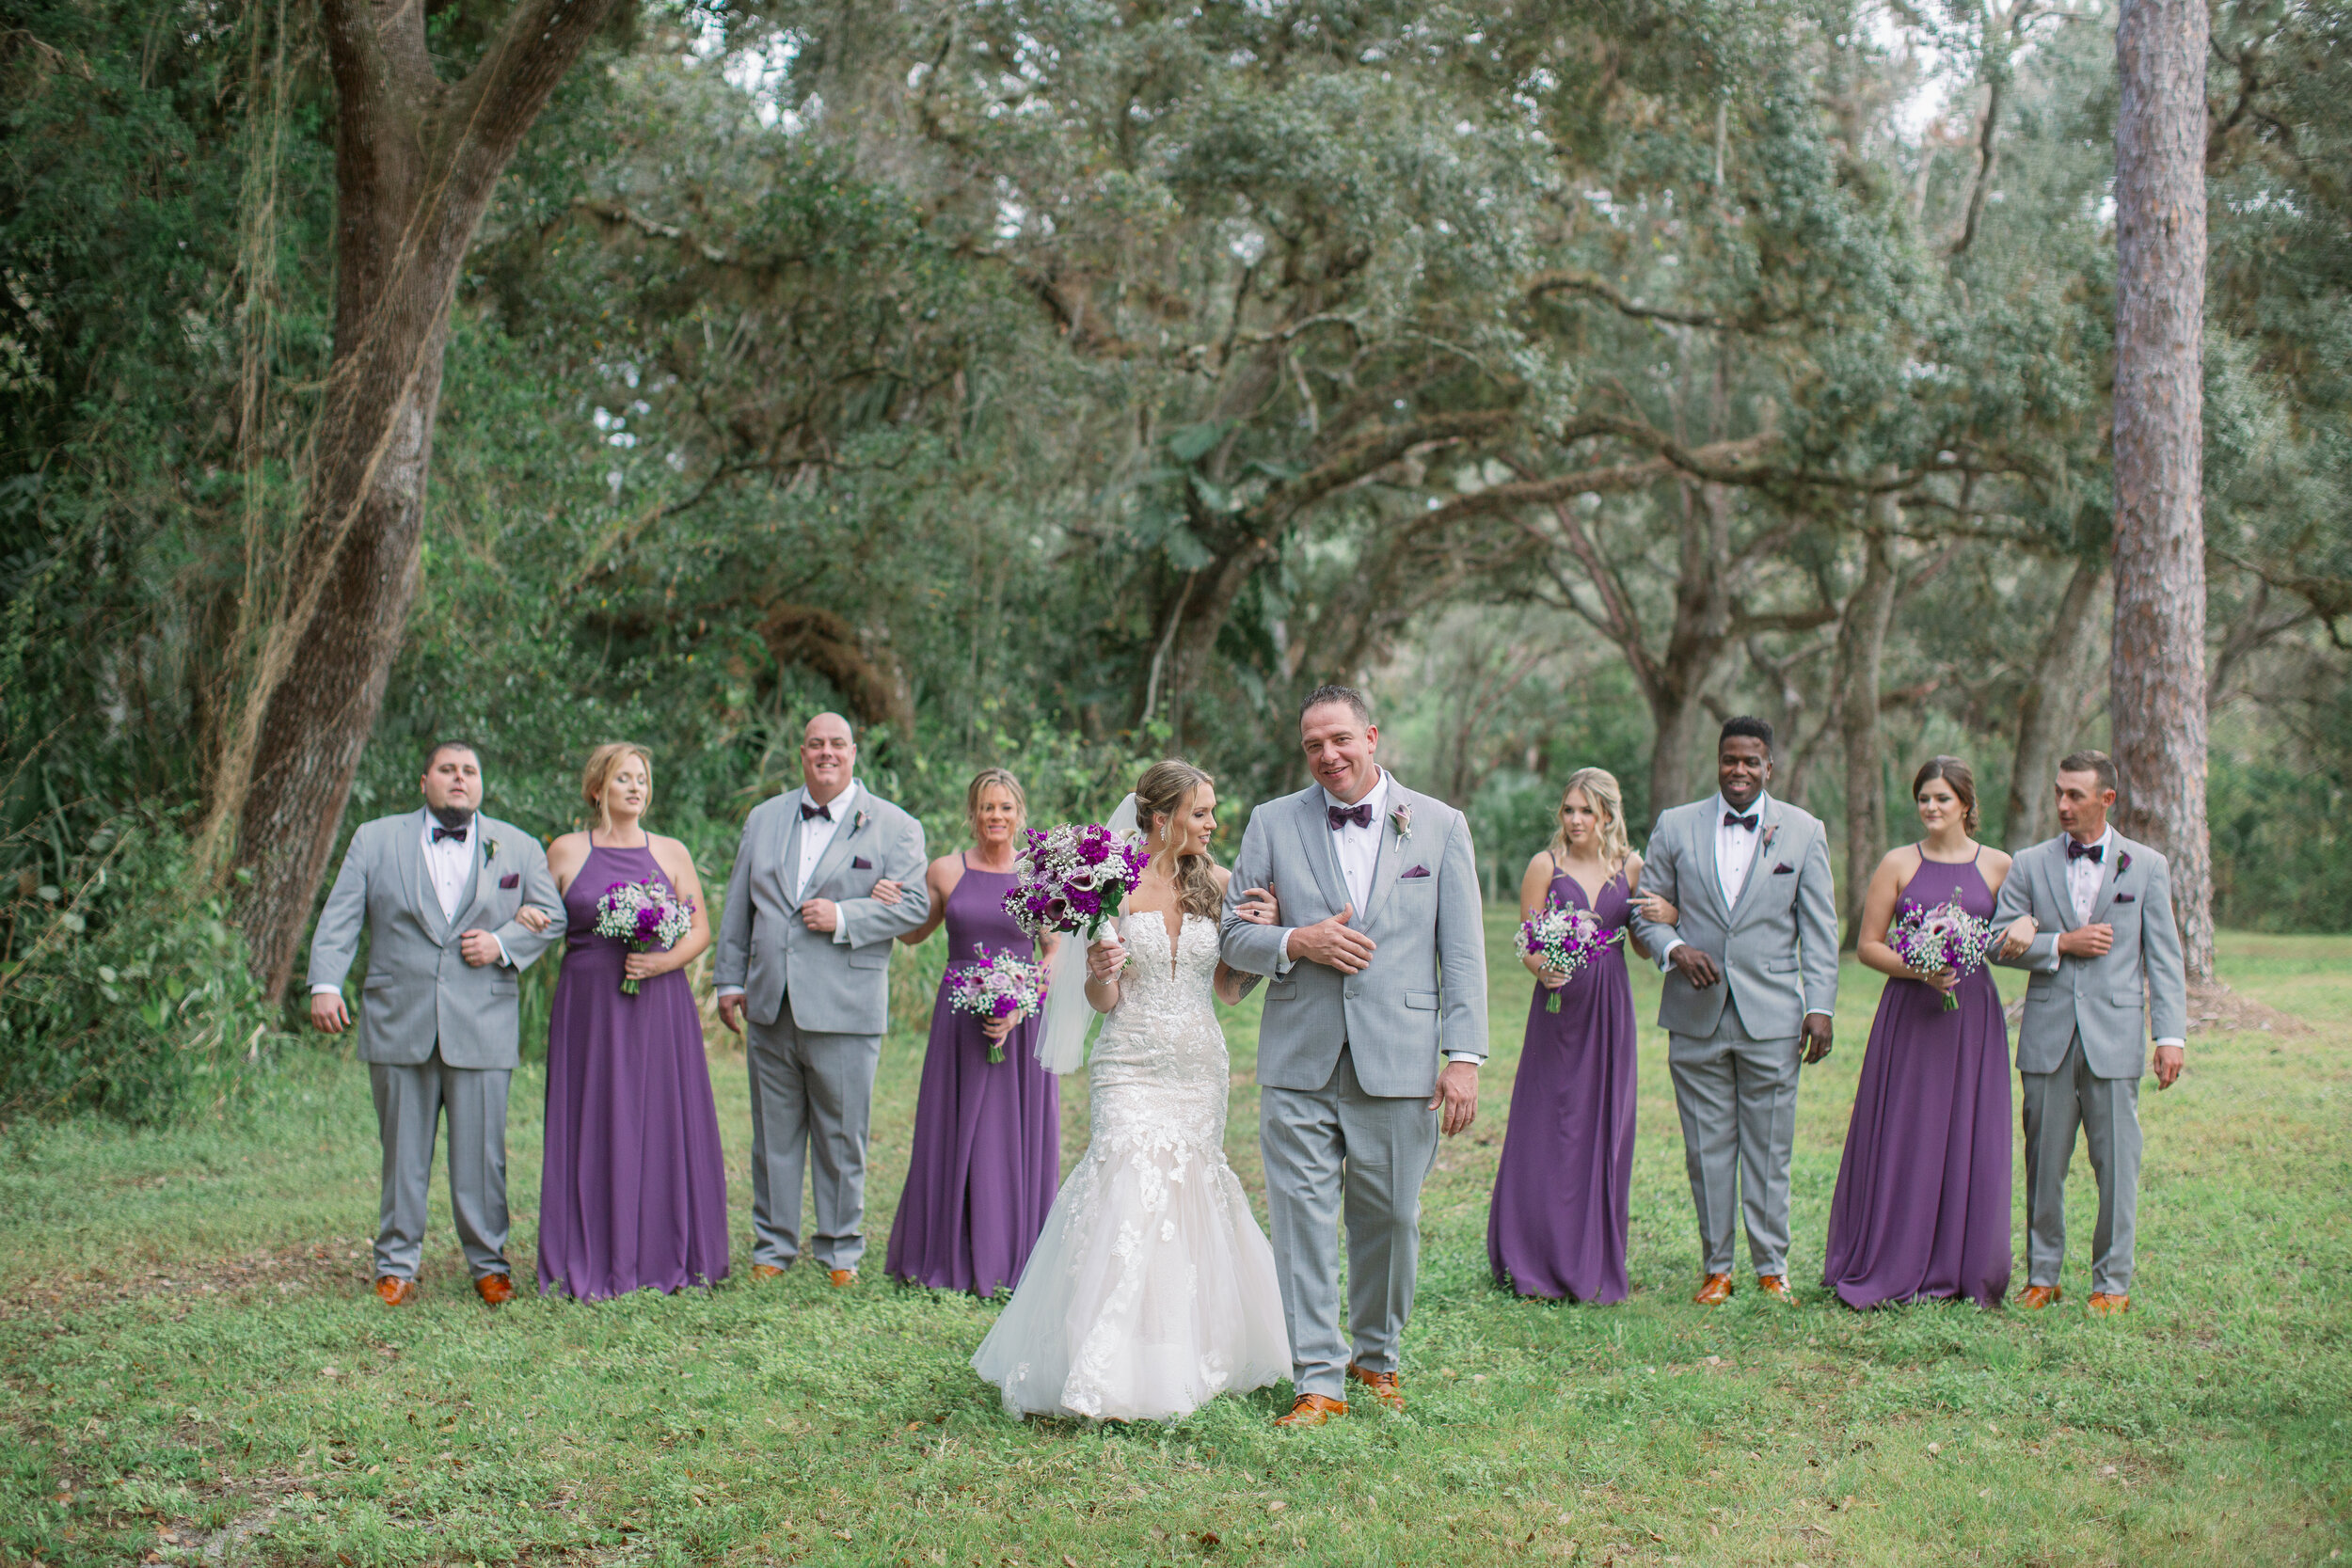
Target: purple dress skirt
{"points": [[1557, 1226], [1923, 1193], [633, 1190], [987, 1157]]}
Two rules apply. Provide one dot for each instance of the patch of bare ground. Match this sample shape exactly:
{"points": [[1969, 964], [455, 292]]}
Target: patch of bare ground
{"points": [[302, 1269], [2216, 1009]]}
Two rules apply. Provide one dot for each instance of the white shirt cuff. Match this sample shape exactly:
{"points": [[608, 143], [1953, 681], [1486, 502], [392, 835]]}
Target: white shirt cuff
{"points": [[1669, 952], [1282, 959], [1818, 1012], [840, 929], [1463, 1056], [503, 960], [730, 990], [2183, 1044], [326, 991]]}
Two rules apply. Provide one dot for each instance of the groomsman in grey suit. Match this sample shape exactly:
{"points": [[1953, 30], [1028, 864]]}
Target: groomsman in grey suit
{"points": [[1380, 977], [442, 893], [1752, 983], [804, 954], [2090, 916]]}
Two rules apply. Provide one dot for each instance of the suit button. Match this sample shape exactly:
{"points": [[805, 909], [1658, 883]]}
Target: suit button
{"points": [[1352, 993]]}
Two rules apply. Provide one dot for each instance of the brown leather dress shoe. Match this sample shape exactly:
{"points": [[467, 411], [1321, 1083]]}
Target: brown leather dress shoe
{"points": [[1775, 1286], [395, 1292], [1312, 1410], [495, 1289], [1383, 1385], [842, 1278], [2104, 1303], [2035, 1298], [1714, 1291], [766, 1272]]}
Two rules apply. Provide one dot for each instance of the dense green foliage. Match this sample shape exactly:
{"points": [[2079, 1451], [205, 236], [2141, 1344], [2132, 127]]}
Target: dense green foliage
{"points": [[1055, 385]]}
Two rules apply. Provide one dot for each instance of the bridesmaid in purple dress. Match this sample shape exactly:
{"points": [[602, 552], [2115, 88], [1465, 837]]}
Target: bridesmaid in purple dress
{"points": [[634, 1193], [1557, 1225], [1923, 1193], [987, 1157]]}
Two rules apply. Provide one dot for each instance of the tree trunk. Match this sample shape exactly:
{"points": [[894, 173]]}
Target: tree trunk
{"points": [[2048, 709], [416, 163], [2156, 684], [1861, 645]]}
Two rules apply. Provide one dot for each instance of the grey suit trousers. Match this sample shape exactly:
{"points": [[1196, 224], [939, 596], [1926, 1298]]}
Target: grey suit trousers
{"points": [[1738, 1098], [812, 1099], [1328, 1149], [410, 1098], [2108, 1111]]}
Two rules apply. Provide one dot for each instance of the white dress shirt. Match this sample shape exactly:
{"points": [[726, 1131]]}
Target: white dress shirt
{"points": [[817, 837], [2083, 877], [1735, 850]]}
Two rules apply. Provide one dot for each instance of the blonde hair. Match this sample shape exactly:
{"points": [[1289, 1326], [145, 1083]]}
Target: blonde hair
{"points": [[603, 763], [1002, 778], [1601, 787], [1162, 792]]}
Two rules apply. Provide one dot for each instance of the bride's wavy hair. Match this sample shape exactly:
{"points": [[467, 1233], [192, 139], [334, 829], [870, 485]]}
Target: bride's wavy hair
{"points": [[1162, 792]]}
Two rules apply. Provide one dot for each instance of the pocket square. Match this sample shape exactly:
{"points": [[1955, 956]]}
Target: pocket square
{"points": [[512, 878], [2125, 898], [1783, 871], [1417, 871], [859, 863]]}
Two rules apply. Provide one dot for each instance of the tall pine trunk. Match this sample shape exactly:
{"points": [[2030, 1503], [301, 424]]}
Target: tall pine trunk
{"points": [[416, 163], [1861, 648], [2156, 677], [2046, 709]]}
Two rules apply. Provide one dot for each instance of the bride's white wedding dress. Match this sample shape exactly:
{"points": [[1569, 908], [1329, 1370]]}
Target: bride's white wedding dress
{"points": [[1151, 1290]]}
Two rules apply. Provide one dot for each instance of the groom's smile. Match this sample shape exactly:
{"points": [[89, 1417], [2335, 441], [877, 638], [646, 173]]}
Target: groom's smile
{"points": [[1340, 744]]}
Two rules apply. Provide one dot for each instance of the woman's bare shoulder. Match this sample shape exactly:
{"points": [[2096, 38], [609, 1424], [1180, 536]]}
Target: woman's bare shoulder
{"points": [[1223, 875]]}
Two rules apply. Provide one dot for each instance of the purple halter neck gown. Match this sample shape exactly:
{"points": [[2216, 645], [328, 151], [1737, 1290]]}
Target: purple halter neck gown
{"points": [[987, 1156], [1923, 1192]]}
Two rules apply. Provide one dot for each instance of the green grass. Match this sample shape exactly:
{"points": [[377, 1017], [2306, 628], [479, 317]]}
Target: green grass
{"points": [[196, 1370]]}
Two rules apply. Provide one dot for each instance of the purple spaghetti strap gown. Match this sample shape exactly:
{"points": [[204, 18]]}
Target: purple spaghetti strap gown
{"points": [[1557, 1226], [1923, 1193], [633, 1191], [987, 1157]]}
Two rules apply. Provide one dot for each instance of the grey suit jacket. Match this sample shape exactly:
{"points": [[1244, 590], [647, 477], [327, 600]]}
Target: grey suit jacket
{"points": [[1424, 992], [2100, 998], [836, 988], [420, 991], [1777, 946]]}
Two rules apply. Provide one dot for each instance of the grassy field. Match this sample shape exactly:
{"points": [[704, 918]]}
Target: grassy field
{"points": [[197, 1372]]}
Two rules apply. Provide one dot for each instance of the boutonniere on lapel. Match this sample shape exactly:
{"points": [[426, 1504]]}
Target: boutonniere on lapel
{"points": [[1400, 819], [2123, 861], [1771, 832], [489, 849], [857, 821]]}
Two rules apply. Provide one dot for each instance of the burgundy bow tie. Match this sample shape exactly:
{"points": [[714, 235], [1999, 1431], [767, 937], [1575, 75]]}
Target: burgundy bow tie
{"points": [[2095, 853], [1733, 819], [440, 832], [1359, 814], [808, 811]]}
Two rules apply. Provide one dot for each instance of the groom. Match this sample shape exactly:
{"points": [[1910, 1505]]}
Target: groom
{"points": [[2091, 914], [1387, 974], [1752, 979], [805, 955]]}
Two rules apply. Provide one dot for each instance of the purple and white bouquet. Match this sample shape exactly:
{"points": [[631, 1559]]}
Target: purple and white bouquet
{"points": [[1073, 879], [1946, 939], [647, 915], [1565, 940], [996, 985]]}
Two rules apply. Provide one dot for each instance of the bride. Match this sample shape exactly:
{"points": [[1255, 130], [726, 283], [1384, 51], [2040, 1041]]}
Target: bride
{"points": [[1152, 1290]]}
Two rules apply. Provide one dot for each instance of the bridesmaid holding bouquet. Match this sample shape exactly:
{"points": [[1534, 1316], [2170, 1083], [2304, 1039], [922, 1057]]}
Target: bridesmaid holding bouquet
{"points": [[987, 1157], [1922, 1208], [633, 1191], [1560, 1210]]}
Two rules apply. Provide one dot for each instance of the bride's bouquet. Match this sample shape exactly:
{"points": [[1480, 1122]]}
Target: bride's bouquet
{"points": [[1944, 938], [1073, 879], [1564, 940], [993, 986], [645, 916]]}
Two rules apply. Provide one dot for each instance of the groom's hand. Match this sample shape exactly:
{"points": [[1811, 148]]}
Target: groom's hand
{"points": [[1816, 1037], [1696, 967], [2169, 1060], [731, 1012], [1333, 943], [1457, 1091], [821, 914]]}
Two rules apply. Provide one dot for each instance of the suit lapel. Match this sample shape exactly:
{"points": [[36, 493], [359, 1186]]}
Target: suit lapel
{"points": [[2106, 896], [1384, 866], [785, 865], [1709, 826], [1314, 838], [470, 894], [2051, 868], [1767, 827], [408, 855]]}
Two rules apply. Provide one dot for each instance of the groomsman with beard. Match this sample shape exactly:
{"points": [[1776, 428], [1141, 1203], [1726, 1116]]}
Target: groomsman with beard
{"points": [[803, 971], [455, 904], [1752, 982], [2090, 916]]}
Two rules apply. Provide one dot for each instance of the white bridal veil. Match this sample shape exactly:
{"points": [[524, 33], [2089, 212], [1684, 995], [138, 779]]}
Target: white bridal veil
{"points": [[1061, 1040]]}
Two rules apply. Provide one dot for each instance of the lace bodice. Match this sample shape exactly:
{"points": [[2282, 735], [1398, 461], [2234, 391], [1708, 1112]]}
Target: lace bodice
{"points": [[1161, 1066]]}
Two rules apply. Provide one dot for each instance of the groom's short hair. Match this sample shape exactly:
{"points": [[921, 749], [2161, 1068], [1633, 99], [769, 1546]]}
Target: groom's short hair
{"points": [[452, 744], [1748, 726], [1355, 702], [2089, 762]]}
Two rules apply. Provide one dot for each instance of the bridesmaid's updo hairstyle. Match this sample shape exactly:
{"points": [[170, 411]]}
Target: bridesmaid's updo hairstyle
{"points": [[1601, 787], [603, 763], [1162, 792], [1002, 778], [1954, 772]]}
